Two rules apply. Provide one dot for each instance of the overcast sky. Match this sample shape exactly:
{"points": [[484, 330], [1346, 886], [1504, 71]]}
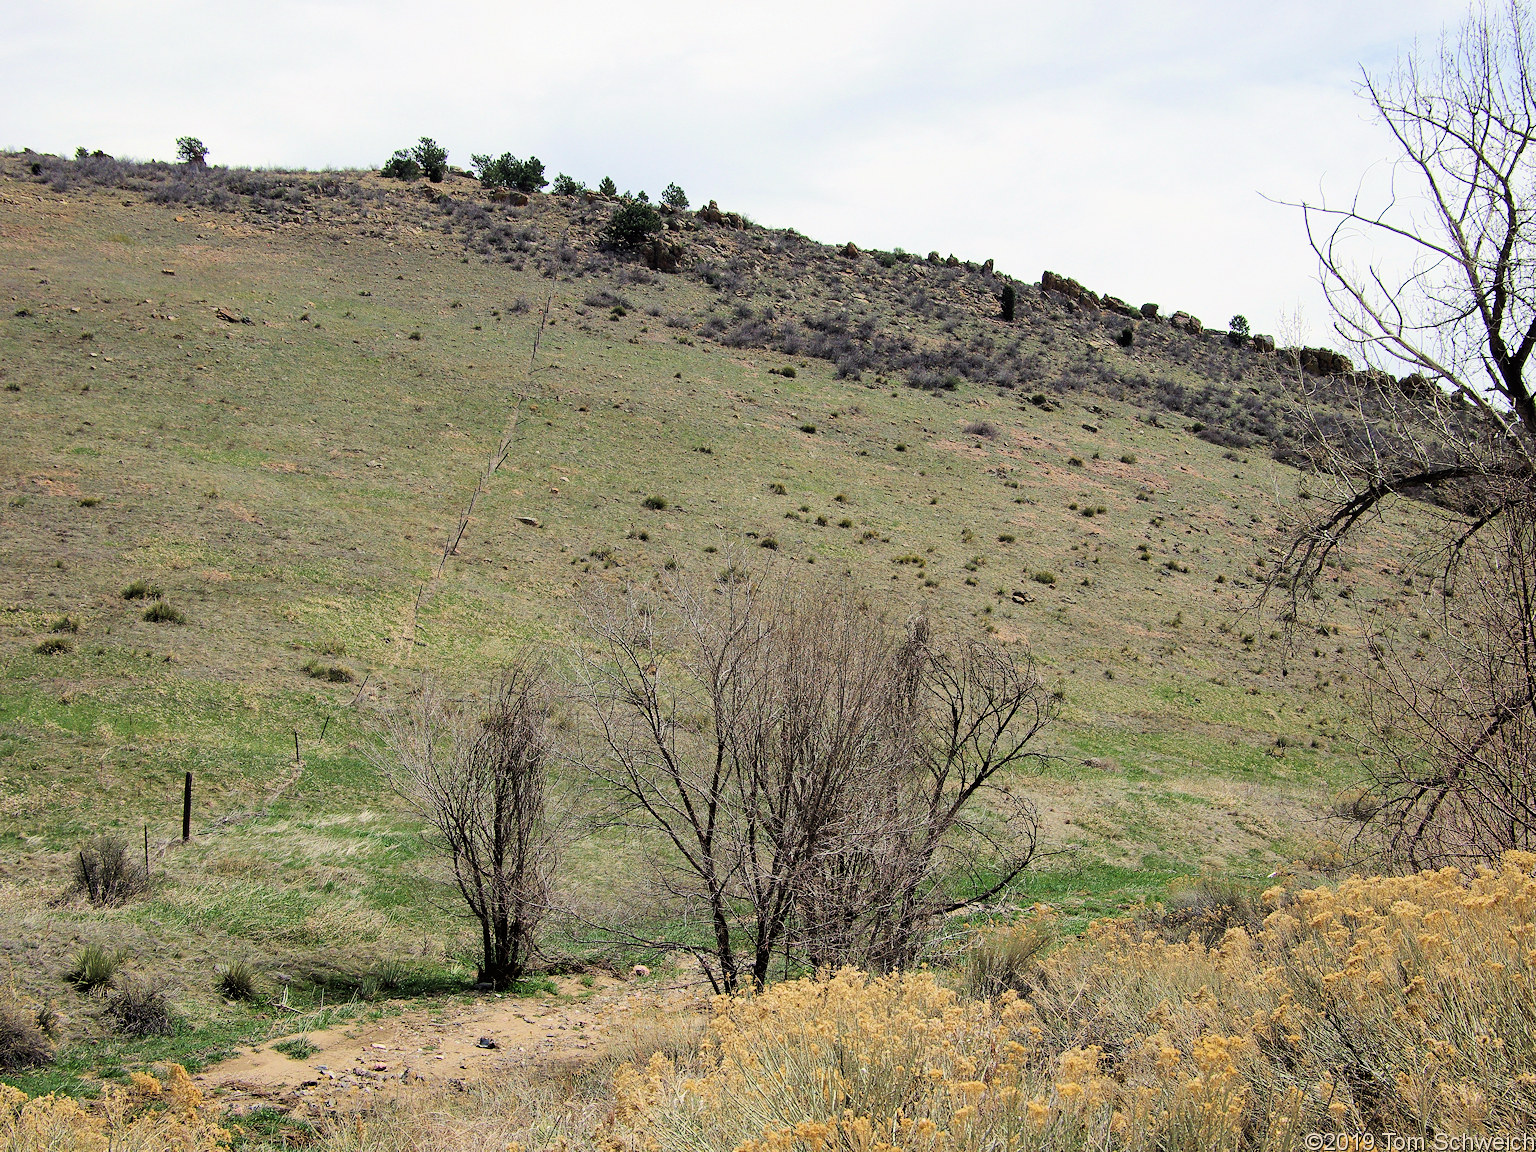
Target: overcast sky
{"points": [[1124, 144]]}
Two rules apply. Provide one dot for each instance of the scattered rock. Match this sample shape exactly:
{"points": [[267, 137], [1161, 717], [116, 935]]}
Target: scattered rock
{"points": [[639, 971], [986, 269], [485, 1042], [1023, 598], [851, 250], [1265, 344], [529, 520], [519, 199], [167, 271], [374, 464]]}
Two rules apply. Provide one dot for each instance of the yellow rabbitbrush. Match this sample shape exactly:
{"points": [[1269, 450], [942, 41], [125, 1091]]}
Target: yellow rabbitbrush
{"points": [[149, 1116], [1402, 1004]]}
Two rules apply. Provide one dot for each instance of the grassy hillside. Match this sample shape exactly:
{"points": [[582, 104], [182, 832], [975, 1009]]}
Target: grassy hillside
{"points": [[270, 396]]}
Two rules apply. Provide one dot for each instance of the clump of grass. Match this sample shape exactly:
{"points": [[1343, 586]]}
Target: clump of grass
{"points": [[296, 1048], [330, 673], [809, 429], [1003, 957], [1075, 462], [778, 489], [141, 1008], [769, 542], [332, 648], [23, 1043], [238, 981], [66, 623], [982, 428], [391, 974], [162, 613], [89, 501], [1128, 458], [94, 967], [1043, 577], [142, 590], [53, 646], [1006, 537], [654, 503]]}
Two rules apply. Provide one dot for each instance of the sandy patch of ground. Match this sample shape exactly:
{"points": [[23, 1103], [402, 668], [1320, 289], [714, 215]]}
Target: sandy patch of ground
{"points": [[443, 1045]]}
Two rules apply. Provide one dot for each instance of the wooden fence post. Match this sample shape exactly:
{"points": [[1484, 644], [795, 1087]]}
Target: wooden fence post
{"points": [[186, 810]]}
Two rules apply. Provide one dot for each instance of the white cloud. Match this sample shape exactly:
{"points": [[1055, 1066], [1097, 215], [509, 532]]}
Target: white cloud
{"points": [[1124, 144]]}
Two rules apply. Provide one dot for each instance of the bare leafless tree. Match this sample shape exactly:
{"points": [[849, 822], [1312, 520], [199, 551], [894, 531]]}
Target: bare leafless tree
{"points": [[914, 844], [810, 765], [1446, 287], [478, 773], [1455, 778]]}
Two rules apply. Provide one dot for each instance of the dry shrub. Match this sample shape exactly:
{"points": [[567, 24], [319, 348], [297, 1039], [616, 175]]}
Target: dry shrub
{"points": [[107, 872], [1205, 910], [149, 1116], [22, 1042], [1387, 1003], [140, 1008]]}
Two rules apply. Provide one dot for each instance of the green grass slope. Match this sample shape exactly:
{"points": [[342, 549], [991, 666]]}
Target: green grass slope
{"points": [[288, 471]]}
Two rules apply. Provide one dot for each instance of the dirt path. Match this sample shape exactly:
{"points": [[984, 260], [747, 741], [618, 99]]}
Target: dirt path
{"points": [[445, 1045]]}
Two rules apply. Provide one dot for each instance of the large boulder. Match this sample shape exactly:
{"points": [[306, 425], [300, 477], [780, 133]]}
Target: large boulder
{"points": [[1187, 323], [1149, 311], [1118, 306], [711, 214], [1066, 286], [1325, 362], [663, 255]]}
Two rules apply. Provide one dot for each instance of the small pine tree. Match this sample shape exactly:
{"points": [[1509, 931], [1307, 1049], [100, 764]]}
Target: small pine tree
{"points": [[191, 151], [608, 187], [491, 171], [401, 166], [567, 186], [674, 197], [432, 157], [528, 175], [1238, 325], [632, 224], [1010, 300]]}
